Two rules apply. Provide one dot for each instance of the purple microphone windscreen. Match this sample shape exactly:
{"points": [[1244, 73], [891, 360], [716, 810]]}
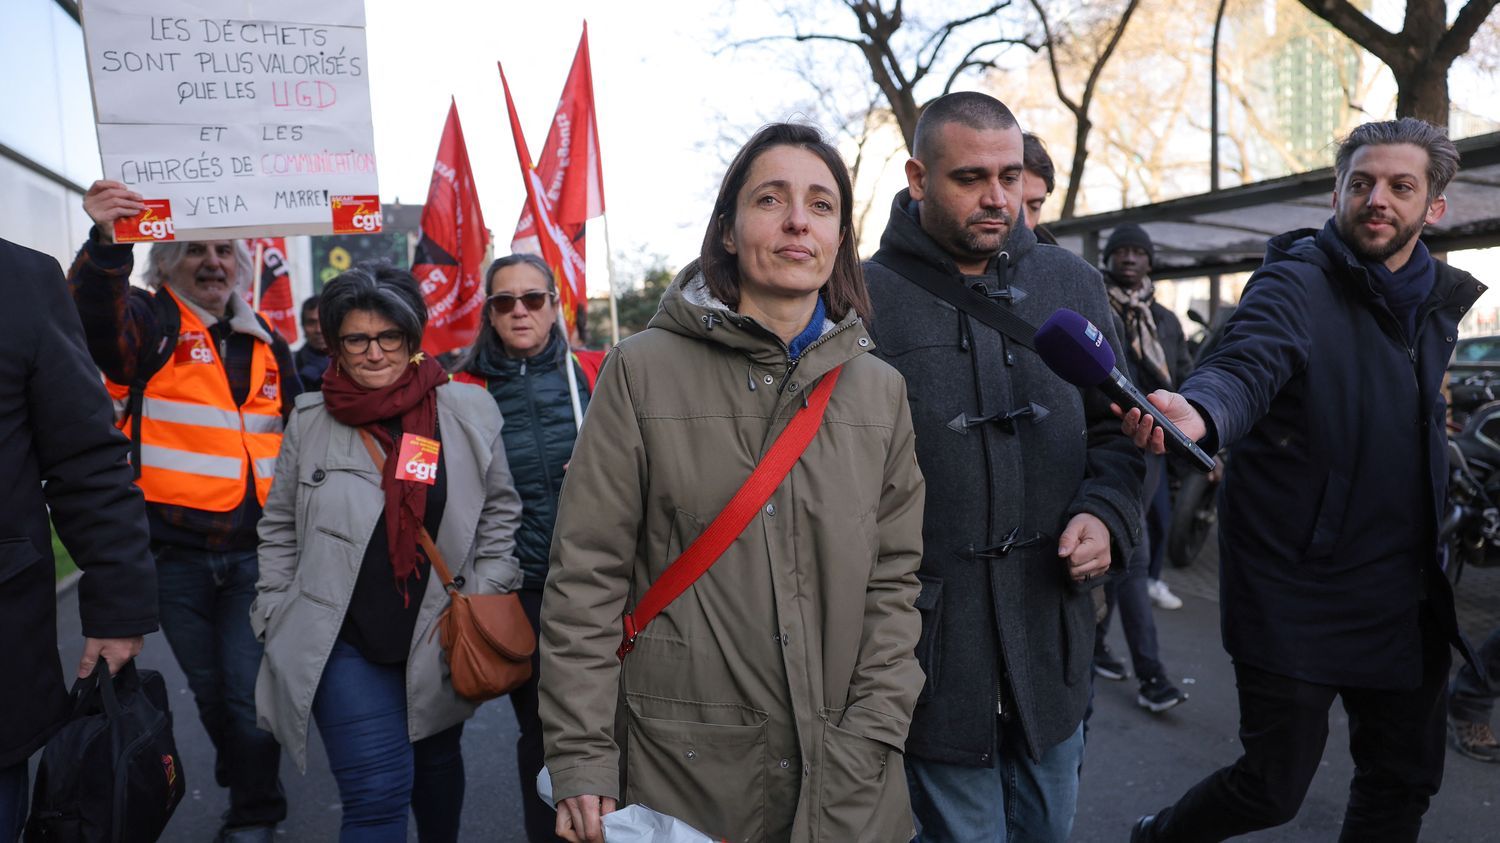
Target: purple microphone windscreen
{"points": [[1072, 347]]}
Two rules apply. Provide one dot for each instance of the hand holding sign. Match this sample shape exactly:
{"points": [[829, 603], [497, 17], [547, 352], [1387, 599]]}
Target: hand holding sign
{"points": [[108, 201]]}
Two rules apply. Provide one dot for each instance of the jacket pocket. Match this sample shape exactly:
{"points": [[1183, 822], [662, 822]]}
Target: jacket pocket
{"points": [[1330, 520], [704, 763], [16, 555], [851, 781], [930, 607], [668, 634]]}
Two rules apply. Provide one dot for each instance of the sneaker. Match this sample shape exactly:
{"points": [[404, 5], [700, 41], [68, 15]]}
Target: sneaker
{"points": [[1158, 695], [1141, 831], [1107, 666], [1162, 596], [1474, 740]]}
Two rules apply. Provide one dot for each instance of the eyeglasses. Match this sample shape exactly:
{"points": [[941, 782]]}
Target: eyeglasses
{"points": [[388, 341], [534, 300]]}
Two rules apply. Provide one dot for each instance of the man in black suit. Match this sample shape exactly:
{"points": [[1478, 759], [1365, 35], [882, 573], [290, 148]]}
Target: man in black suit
{"points": [[56, 427]]}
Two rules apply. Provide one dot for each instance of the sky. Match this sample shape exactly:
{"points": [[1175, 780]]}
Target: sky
{"points": [[663, 98]]}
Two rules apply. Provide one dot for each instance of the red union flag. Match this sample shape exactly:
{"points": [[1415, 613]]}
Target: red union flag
{"points": [[556, 246], [569, 168], [449, 257], [275, 285]]}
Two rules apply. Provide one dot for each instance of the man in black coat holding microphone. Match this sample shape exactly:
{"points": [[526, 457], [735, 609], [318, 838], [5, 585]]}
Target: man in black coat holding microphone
{"points": [[1327, 384]]}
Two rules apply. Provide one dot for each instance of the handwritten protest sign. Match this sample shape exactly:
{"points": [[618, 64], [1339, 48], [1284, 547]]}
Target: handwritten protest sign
{"points": [[248, 116]]}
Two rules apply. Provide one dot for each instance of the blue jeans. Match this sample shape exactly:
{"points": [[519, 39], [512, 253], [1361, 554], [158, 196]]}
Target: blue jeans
{"points": [[1015, 801], [1471, 698], [360, 709], [205, 602], [13, 786]]}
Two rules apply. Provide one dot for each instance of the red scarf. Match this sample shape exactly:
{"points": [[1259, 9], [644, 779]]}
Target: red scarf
{"points": [[412, 398]]}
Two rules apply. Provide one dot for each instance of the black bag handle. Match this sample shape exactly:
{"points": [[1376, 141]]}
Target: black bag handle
{"points": [[959, 295]]}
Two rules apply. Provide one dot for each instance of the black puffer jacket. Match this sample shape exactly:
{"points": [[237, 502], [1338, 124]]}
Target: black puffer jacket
{"points": [[997, 604], [539, 433]]}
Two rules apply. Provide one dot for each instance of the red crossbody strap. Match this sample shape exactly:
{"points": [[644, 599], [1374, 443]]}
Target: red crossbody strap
{"points": [[736, 515]]}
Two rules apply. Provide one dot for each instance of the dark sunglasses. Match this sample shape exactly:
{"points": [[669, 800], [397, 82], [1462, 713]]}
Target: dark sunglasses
{"points": [[534, 300]]}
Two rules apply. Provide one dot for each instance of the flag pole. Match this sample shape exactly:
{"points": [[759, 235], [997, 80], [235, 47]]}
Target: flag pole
{"points": [[609, 265], [260, 254], [562, 323]]}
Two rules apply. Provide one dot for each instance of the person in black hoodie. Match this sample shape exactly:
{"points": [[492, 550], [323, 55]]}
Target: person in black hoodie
{"points": [[519, 357], [1032, 493], [1328, 385]]}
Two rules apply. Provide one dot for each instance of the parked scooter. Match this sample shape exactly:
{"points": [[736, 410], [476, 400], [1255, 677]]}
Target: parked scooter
{"points": [[1470, 532]]}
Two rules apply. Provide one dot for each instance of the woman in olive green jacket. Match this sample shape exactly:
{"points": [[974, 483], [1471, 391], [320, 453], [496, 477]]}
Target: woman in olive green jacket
{"points": [[771, 700]]}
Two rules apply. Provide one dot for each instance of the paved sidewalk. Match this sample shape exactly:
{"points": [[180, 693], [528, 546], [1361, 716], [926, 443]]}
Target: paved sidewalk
{"points": [[1135, 763]]}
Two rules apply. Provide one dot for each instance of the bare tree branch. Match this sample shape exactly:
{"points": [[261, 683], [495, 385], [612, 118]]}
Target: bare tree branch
{"points": [[1346, 18], [1455, 42]]}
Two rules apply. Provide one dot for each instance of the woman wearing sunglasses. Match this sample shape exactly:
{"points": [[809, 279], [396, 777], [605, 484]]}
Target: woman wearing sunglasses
{"points": [[348, 600], [770, 700], [519, 357]]}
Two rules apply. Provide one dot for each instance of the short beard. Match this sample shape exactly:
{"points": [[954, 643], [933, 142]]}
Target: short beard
{"points": [[1402, 237], [957, 238]]}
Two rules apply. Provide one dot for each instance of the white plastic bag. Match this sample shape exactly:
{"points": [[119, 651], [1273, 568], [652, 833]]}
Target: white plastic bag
{"points": [[633, 823]]}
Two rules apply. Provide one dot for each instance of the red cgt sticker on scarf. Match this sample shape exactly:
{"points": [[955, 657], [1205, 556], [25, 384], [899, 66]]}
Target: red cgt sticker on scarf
{"points": [[418, 459]]}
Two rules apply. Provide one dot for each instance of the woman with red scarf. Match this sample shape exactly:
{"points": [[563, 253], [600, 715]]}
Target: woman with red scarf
{"points": [[347, 599]]}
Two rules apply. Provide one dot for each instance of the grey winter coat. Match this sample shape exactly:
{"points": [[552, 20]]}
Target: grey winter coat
{"points": [[320, 514], [771, 700], [998, 607]]}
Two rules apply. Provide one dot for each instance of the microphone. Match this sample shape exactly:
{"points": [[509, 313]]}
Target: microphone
{"points": [[1078, 353]]}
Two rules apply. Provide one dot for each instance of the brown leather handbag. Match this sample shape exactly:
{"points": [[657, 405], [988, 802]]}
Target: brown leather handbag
{"points": [[486, 637]]}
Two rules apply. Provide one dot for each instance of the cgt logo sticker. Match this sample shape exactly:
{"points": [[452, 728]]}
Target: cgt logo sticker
{"points": [[355, 214], [153, 225]]}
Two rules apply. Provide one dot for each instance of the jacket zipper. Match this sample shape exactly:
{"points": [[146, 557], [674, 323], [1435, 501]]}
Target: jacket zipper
{"points": [[536, 426]]}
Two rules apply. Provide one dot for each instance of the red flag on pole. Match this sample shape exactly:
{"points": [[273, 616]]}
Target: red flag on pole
{"points": [[275, 285], [569, 168], [449, 257], [555, 245]]}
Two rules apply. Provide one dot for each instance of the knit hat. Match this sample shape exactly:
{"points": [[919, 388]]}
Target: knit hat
{"points": [[1130, 234]]}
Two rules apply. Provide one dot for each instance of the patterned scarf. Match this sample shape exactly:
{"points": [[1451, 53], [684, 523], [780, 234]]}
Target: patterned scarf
{"points": [[1134, 307]]}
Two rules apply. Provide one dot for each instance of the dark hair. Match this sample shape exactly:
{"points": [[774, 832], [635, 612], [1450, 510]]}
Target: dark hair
{"points": [[1442, 155], [845, 289], [969, 108], [520, 259], [379, 287], [310, 305], [1038, 162]]}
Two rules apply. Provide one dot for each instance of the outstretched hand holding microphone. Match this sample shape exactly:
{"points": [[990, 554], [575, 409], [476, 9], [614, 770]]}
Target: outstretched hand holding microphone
{"points": [[1074, 349]]}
